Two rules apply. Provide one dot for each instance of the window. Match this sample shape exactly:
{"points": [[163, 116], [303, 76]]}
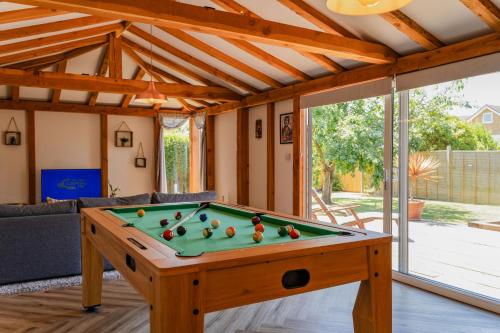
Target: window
{"points": [[177, 159], [487, 118]]}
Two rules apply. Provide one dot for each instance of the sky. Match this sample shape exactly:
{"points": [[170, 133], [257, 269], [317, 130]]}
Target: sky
{"points": [[480, 90]]}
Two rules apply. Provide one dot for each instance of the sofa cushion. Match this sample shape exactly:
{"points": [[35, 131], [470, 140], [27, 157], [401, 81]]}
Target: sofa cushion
{"points": [[140, 199], [63, 207], [159, 197]]}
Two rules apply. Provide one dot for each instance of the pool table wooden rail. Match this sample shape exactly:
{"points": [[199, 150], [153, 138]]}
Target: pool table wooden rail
{"points": [[220, 280]]}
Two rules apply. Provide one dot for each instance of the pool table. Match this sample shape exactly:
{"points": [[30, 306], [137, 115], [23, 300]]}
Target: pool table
{"points": [[187, 276]]}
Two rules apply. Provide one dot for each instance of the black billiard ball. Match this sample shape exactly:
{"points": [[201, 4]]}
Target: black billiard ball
{"points": [[164, 222], [178, 215], [203, 217], [256, 220], [181, 230], [282, 231]]}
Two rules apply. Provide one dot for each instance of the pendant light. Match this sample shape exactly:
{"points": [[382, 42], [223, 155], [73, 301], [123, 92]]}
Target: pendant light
{"points": [[365, 7], [151, 95]]}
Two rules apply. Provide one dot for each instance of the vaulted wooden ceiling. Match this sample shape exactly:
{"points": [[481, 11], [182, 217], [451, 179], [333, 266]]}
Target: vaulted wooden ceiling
{"points": [[217, 55]]}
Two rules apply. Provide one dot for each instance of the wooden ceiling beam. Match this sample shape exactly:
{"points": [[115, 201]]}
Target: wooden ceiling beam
{"points": [[101, 71], [157, 71], [195, 18], [169, 63], [59, 38], [412, 29], [139, 74], [46, 28], [83, 108], [58, 48], [486, 10], [115, 56], [476, 47], [316, 17], [14, 93], [222, 56], [42, 63], [56, 93], [27, 14], [192, 60], [109, 85]]}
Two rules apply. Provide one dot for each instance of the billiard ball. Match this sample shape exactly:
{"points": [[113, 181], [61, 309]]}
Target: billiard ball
{"points": [[181, 230], [207, 232], [168, 234], [282, 231], [259, 227], [203, 217], [164, 222], [295, 234], [215, 224], [230, 232], [178, 215], [141, 213], [258, 236], [256, 220], [289, 228]]}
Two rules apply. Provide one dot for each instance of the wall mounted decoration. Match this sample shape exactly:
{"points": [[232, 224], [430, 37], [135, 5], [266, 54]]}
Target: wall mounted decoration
{"points": [[12, 137], [258, 129], [140, 160], [124, 138], [286, 128]]}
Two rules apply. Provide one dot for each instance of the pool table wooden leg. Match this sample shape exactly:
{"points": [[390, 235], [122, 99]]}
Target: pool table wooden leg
{"points": [[372, 311], [177, 304], [92, 269]]}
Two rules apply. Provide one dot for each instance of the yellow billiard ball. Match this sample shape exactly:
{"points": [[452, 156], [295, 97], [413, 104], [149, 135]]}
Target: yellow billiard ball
{"points": [[141, 213], [258, 237]]}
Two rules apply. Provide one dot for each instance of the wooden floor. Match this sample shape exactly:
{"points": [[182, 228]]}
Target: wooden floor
{"points": [[323, 311]]}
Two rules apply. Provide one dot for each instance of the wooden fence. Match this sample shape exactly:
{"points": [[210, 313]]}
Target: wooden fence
{"points": [[464, 176]]}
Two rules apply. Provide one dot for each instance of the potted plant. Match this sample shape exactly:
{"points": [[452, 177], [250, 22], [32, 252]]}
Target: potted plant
{"points": [[419, 166]]}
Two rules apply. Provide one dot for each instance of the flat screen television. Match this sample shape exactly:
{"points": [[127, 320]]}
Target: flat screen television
{"points": [[65, 184]]}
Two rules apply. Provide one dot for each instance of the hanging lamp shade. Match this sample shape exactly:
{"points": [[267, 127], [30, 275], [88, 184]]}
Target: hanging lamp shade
{"points": [[151, 95], [365, 7]]}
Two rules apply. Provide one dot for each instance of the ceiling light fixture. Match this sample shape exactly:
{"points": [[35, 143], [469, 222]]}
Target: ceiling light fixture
{"points": [[365, 7], [151, 95]]}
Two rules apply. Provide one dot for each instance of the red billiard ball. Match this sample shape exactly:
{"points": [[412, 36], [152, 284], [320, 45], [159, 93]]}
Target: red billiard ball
{"points": [[178, 215], [141, 213], [255, 220], [294, 234], [259, 227], [168, 234], [230, 232]]}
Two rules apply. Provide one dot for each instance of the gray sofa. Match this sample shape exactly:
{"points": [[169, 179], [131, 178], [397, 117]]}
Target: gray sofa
{"points": [[43, 241]]}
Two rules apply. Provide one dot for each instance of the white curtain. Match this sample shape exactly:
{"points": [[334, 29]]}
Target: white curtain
{"points": [[168, 122], [199, 121]]}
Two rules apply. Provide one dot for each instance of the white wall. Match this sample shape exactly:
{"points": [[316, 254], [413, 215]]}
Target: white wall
{"points": [[283, 157], [66, 141], [13, 161], [122, 170], [225, 157], [257, 158]]}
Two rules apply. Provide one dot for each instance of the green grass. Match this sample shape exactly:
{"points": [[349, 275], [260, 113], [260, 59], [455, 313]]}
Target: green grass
{"points": [[447, 212]]}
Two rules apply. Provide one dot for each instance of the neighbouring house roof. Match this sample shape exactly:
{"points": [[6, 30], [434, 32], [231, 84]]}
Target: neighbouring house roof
{"points": [[493, 108]]}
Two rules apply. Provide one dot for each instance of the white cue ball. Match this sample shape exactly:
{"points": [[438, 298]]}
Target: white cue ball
{"points": [[215, 224]]}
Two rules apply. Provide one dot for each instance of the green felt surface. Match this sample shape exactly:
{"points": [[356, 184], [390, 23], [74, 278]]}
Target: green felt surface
{"points": [[193, 243]]}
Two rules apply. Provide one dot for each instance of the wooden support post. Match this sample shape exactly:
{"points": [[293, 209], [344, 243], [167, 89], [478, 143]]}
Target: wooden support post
{"points": [[14, 93], [242, 163], [92, 269], [210, 133], [104, 155], [298, 163], [30, 139], [270, 156], [156, 138], [194, 157], [115, 56]]}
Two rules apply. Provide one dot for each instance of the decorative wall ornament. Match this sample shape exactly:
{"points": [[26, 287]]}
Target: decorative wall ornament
{"points": [[124, 138], [140, 160], [258, 129], [286, 128], [12, 136]]}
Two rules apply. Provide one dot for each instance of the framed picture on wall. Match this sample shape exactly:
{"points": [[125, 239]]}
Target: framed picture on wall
{"points": [[12, 138], [258, 129], [124, 139], [286, 128], [140, 162]]}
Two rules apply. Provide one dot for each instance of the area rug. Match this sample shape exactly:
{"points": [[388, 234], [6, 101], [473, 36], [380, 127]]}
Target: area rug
{"points": [[41, 285]]}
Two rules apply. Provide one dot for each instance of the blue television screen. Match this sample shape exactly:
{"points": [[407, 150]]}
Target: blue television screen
{"points": [[70, 183]]}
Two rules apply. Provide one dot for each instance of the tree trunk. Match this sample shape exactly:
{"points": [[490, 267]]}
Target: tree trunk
{"points": [[326, 192]]}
